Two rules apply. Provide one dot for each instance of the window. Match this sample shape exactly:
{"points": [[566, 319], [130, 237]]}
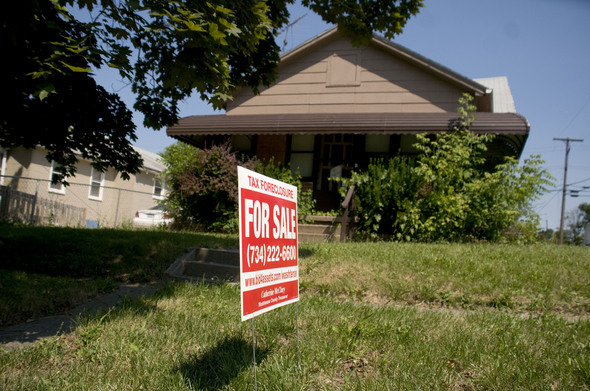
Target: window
{"points": [[96, 185], [159, 189], [241, 143], [377, 143], [2, 165], [407, 145], [302, 155], [56, 180]]}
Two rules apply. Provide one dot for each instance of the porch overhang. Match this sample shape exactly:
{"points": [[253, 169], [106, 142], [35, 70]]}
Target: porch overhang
{"points": [[511, 127]]}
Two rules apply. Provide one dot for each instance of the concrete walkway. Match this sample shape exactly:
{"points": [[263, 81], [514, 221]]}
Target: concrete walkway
{"points": [[25, 334]]}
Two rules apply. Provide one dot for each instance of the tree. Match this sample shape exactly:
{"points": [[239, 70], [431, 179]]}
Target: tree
{"points": [[166, 50], [577, 220], [51, 100], [359, 19], [585, 209]]}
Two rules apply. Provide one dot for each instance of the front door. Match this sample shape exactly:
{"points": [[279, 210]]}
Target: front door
{"points": [[335, 160]]}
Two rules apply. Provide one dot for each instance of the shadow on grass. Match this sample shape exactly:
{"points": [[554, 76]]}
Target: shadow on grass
{"points": [[216, 367], [306, 252], [125, 255]]}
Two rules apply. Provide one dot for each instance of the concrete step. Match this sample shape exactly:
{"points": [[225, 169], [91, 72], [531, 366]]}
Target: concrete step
{"points": [[227, 257], [208, 265], [322, 220], [318, 229], [311, 236], [211, 270], [316, 238]]}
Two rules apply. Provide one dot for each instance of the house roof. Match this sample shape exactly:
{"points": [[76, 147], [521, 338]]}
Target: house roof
{"points": [[152, 162], [324, 123], [511, 128]]}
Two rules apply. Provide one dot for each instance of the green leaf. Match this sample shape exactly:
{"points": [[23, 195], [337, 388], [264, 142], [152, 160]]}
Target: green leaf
{"points": [[46, 89], [43, 94], [77, 69], [216, 34], [193, 26]]}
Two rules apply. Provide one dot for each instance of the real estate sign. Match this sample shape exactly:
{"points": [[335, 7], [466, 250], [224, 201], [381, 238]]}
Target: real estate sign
{"points": [[269, 260]]}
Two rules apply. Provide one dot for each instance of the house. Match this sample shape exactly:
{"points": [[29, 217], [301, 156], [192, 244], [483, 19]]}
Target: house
{"points": [[91, 198], [335, 106]]}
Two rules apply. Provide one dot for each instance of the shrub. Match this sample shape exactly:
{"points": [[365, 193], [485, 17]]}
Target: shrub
{"points": [[203, 185], [382, 191], [446, 195], [305, 201]]}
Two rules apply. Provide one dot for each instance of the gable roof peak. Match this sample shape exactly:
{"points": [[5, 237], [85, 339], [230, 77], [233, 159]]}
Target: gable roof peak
{"points": [[399, 51]]}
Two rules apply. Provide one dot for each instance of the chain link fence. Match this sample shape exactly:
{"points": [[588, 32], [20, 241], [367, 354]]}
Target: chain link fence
{"points": [[39, 202]]}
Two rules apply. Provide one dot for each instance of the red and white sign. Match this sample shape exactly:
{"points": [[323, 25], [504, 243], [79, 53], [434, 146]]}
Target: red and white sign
{"points": [[269, 256]]}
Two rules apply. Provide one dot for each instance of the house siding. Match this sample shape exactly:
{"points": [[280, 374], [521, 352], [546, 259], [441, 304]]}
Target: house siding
{"points": [[28, 171], [380, 83]]}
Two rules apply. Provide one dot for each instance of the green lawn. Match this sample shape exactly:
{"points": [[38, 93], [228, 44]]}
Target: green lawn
{"points": [[46, 270], [378, 316]]}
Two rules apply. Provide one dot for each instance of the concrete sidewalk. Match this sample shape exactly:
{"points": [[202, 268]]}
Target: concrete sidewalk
{"points": [[24, 334]]}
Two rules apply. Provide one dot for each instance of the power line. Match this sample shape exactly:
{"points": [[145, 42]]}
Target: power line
{"points": [[547, 202], [583, 180], [290, 26], [575, 116]]}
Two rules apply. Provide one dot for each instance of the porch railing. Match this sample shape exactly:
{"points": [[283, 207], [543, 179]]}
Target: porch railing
{"points": [[348, 226]]}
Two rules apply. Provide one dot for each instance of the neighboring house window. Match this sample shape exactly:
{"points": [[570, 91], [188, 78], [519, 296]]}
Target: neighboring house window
{"points": [[96, 184], [2, 165], [159, 188], [55, 180]]}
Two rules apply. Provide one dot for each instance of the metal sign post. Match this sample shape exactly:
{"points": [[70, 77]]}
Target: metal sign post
{"points": [[254, 355]]}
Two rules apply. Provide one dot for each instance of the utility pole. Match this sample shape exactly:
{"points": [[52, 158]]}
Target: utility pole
{"points": [[567, 152]]}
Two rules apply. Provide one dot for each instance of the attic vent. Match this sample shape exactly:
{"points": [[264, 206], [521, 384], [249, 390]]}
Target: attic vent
{"points": [[344, 70]]}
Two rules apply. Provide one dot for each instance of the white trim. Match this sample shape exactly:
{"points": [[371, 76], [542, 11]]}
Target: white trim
{"points": [[94, 182], [58, 188], [162, 187], [3, 152]]}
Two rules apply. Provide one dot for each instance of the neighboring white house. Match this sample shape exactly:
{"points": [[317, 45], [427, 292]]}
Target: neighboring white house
{"points": [[92, 198]]}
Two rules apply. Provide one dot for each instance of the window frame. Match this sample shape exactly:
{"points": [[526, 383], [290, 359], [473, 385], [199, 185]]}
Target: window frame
{"points": [[303, 150], [3, 159], [93, 184], [162, 187], [57, 190]]}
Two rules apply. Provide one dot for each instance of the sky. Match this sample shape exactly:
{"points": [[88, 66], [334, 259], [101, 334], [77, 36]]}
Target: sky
{"points": [[541, 46]]}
